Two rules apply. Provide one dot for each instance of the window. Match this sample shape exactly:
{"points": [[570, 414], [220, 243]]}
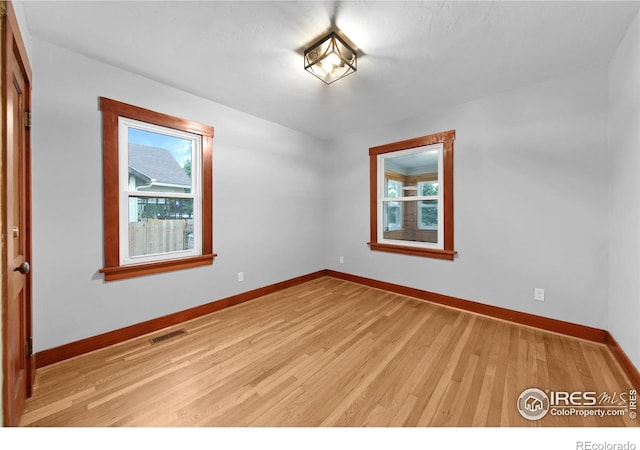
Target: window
{"points": [[157, 182], [411, 196], [392, 209], [428, 209]]}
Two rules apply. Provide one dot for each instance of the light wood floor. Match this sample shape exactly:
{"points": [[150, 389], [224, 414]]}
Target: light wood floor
{"points": [[326, 353]]}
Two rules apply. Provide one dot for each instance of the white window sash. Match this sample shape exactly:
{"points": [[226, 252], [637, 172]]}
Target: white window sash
{"points": [[125, 193], [381, 199]]}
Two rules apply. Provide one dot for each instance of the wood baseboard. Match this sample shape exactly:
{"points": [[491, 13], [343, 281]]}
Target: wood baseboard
{"points": [[76, 348], [545, 323], [87, 345], [624, 361]]}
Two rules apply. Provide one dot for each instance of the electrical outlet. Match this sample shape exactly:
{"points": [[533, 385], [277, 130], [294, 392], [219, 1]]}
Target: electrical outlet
{"points": [[240, 276], [538, 294], [342, 260]]}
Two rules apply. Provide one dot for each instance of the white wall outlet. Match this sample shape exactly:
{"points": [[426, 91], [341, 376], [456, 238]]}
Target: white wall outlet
{"points": [[538, 294], [342, 260], [240, 276]]}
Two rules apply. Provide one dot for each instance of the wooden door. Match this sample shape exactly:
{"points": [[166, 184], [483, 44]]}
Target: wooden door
{"points": [[16, 223]]}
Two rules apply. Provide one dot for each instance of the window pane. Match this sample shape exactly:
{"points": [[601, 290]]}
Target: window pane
{"points": [[159, 162], [428, 188], [393, 188], [418, 221], [428, 214], [392, 215], [414, 164], [160, 225]]}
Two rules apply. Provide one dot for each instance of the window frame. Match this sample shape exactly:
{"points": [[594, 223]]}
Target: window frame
{"points": [[113, 268], [447, 251]]}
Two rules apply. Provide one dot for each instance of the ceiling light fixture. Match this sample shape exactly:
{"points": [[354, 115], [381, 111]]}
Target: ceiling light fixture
{"points": [[330, 59]]}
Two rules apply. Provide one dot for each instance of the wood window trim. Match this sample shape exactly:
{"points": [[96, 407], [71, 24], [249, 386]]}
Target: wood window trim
{"points": [[445, 138], [112, 270]]}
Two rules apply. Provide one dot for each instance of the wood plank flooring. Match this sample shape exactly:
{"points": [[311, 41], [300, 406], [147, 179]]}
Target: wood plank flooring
{"points": [[326, 353]]}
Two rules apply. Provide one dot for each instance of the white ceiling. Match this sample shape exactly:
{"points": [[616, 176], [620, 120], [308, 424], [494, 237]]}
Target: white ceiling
{"points": [[416, 56]]}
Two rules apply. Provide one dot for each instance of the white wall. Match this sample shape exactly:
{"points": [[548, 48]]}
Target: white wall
{"points": [[267, 202], [18, 7], [624, 144], [530, 201]]}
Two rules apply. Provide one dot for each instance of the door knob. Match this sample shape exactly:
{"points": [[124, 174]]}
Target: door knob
{"points": [[23, 268]]}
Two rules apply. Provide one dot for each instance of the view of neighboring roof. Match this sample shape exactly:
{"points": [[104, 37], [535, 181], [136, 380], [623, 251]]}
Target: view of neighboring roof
{"points": [[157, 165]]}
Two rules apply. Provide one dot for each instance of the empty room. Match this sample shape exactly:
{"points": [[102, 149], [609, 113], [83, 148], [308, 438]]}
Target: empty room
{"points": [[320, 214]]}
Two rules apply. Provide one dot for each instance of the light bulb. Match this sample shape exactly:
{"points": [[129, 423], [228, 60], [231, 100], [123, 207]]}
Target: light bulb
{"points": [[330, 63]]}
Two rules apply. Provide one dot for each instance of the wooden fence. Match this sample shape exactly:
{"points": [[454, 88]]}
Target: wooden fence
{"points": [[156, 236]]}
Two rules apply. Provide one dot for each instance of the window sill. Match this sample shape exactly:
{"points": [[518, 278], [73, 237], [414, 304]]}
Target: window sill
{"points": [[415, 251], [137, 270]]}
